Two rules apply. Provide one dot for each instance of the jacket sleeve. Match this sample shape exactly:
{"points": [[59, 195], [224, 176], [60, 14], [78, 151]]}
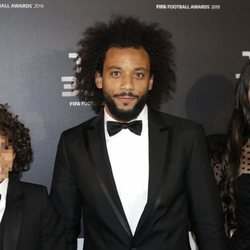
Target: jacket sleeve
{"points": [[52, 233], [203, 197], [65, 195]]}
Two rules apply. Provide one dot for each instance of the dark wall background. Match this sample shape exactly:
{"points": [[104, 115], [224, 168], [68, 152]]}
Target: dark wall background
{"points": [[34, 48]]}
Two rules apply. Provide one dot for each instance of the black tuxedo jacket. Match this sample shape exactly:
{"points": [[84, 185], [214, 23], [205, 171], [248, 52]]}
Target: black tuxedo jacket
{"points": [[30, 220], [181, 189]]}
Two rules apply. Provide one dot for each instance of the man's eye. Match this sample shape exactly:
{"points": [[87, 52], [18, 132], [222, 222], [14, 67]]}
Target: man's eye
{"points": [[139, 75], [115, 74]]}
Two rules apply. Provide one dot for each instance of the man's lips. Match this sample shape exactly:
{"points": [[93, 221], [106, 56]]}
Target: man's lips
{"points": [[126, 97]]}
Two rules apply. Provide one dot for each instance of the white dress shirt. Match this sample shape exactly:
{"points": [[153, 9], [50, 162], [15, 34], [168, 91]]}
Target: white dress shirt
{"points": [[129, 158], [3, 192]]}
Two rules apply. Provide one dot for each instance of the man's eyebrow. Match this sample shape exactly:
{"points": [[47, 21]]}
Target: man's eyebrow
{"points": [[141, 68], [114, 67], [117, 67]]}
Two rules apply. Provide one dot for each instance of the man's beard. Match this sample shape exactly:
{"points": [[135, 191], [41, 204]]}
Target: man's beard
{"points": [[125, 115]]}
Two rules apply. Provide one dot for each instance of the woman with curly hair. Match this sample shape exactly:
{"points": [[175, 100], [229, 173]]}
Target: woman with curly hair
{"points": [[235, 181], [28, 219], [16, 138]]}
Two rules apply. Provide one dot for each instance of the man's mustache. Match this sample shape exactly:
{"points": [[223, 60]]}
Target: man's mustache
{"points": [[130, 94]]}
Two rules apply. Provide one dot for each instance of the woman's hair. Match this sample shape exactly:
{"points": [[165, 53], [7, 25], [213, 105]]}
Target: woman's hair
{"points": [[238, 132], [125, 32], [19, 138]]}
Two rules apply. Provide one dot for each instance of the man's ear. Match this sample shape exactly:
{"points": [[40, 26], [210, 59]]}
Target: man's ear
{"points": [[98, 80], [151, 82]]}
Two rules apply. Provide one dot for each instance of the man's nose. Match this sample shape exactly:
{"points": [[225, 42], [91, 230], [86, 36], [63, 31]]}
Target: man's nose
{"points": [[127, 83]]}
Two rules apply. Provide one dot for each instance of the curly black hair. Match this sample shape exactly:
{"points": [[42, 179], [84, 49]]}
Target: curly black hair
{"points": [[125, 32], [19, 138]]}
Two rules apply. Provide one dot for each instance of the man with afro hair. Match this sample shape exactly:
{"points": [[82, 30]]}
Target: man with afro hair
{"points": [[140, 177]]}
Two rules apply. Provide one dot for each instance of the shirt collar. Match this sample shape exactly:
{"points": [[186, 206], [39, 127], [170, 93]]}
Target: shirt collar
{"points": [[4, 187]]}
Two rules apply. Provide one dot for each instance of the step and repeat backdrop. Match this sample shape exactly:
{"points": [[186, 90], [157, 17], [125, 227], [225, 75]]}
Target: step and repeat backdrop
{"points": [[38, 45]]}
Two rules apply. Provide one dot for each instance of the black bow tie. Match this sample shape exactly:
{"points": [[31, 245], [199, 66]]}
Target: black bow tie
{"points": [[115, 127]]}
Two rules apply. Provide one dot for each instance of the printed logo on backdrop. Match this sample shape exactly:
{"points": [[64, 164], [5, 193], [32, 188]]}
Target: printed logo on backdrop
{"points": [[245, 54], [22, 5], [180, 6], [69, 85]]}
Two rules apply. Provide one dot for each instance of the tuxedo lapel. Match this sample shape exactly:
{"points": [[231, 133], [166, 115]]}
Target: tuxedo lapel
{"points": [[159, 150], [13, 216], [94, 139]]}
